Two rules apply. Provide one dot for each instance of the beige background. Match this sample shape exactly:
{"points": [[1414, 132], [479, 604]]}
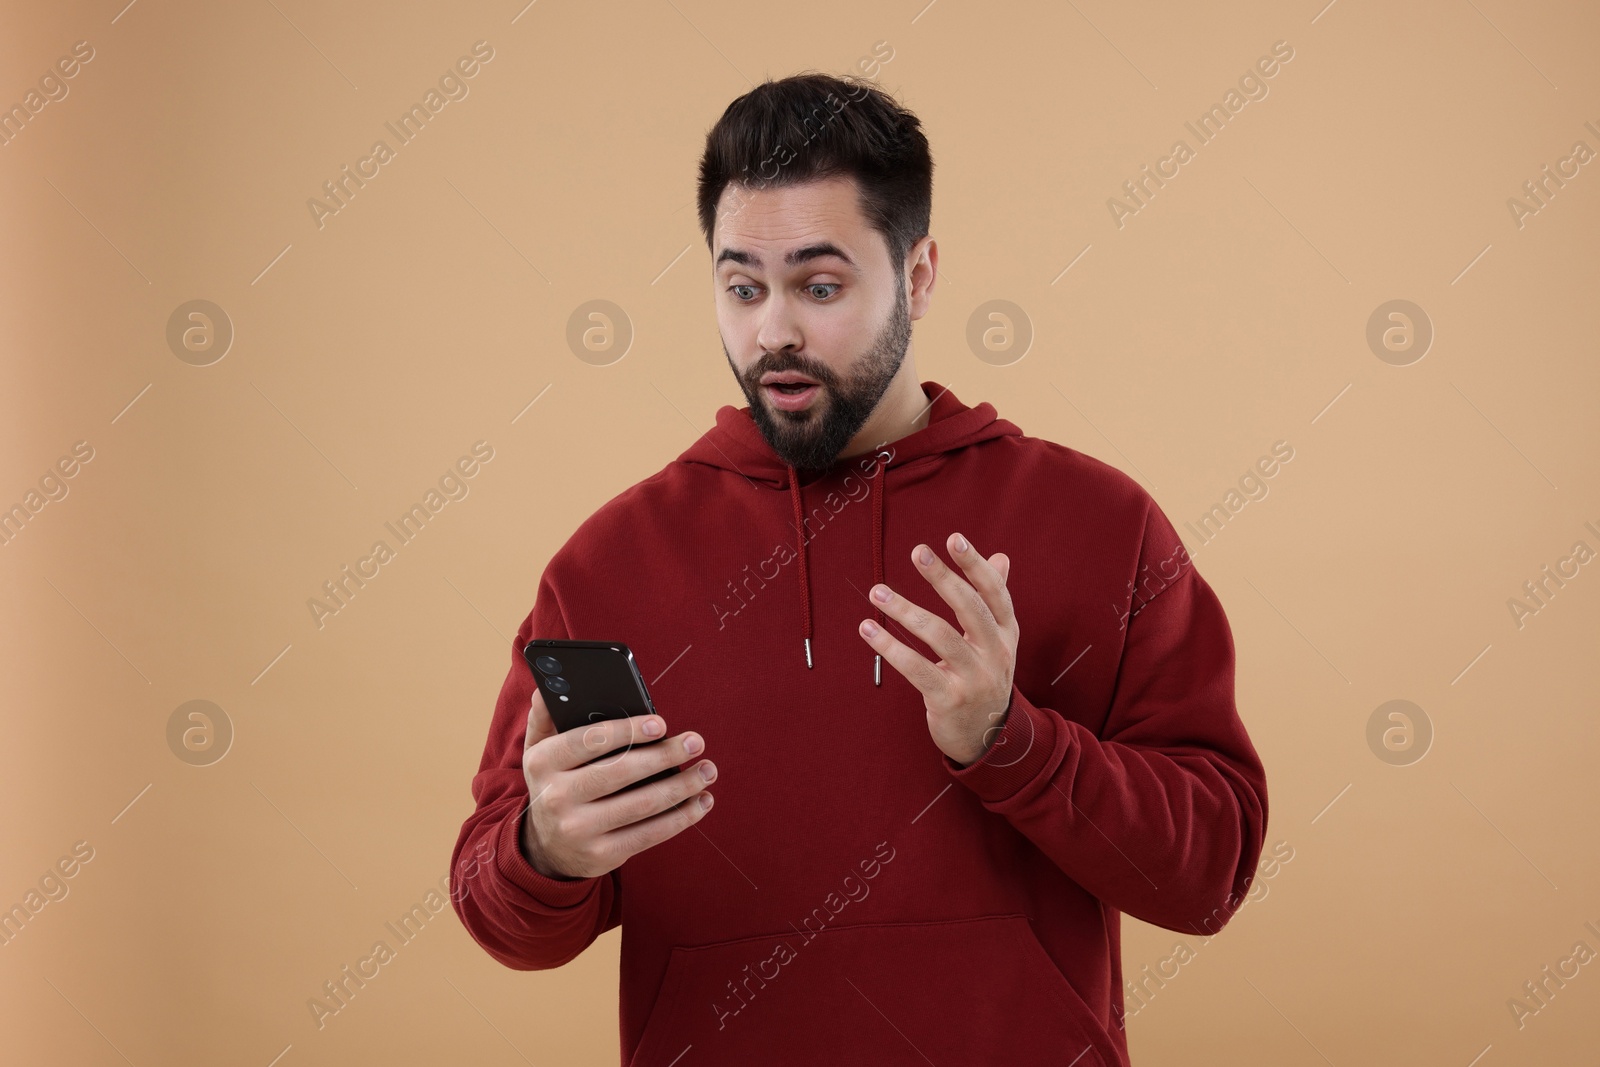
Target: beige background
{"points": [[369, 354]]}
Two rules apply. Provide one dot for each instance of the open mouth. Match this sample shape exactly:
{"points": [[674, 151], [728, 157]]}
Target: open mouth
{"points": [[792, 395]]}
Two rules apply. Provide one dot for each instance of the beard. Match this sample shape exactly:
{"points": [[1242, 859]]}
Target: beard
{"points": [[813, 438]]}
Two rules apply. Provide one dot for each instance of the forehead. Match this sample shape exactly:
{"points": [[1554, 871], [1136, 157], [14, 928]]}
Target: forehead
{"points": [[765, 227]]}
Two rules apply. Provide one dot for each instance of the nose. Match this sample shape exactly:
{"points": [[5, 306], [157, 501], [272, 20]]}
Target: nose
{"points": [[779, 328]]}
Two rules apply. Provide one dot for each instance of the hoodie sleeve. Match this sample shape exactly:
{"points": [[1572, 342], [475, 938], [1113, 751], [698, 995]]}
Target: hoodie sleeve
{"points": [[524, 919], [1163, 815]]}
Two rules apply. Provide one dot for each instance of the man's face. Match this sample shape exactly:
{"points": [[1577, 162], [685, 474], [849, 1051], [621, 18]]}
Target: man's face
{"points": [[804, 285]]}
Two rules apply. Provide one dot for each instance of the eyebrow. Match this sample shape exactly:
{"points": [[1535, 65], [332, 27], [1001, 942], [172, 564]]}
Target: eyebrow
{"points": [[794, 257]]}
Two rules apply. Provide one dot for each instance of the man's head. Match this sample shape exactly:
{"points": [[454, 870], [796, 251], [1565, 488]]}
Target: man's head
{"points": [[815, 196]]}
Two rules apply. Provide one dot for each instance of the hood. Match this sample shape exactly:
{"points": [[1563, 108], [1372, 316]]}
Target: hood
{"points": [[735, 444]]}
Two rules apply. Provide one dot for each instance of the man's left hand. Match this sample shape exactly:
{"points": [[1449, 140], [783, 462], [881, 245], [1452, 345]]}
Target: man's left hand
{"points": [[968, 692]]}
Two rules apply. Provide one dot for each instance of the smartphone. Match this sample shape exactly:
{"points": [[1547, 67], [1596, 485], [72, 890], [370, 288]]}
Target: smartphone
{"points": [[586, 682]]}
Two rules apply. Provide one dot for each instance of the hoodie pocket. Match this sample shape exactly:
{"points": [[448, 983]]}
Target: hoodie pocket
{"points": [[950, 992]]}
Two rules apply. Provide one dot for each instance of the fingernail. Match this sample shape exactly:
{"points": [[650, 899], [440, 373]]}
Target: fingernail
{"points": [[705, 801], [869, 628], [925, 556], [708, 770], [693, 744], [961, 543], [653, 727], [880, 593]]}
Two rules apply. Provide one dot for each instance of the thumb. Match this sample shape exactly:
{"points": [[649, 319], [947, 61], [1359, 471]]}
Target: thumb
{"points": [[540, 725]]}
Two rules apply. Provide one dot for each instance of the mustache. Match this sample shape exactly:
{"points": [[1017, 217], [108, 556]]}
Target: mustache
{"points": [[778, 365]]}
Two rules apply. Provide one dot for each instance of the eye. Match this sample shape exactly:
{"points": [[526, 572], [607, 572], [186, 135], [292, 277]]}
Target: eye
{"points": [[734, 290], [823, 285]]}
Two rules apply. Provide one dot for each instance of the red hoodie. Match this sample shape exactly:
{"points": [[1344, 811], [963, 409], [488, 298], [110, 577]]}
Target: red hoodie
{"points": [[855, 896]]}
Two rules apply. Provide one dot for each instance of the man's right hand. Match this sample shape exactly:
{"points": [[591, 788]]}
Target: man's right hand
{"points": [[571, 828]]}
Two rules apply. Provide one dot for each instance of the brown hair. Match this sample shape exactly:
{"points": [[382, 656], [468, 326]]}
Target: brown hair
{"points": [[812, 126]]}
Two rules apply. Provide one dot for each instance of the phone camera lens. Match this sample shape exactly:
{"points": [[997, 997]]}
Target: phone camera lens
{"points": [[548, 664], [558, 684]]}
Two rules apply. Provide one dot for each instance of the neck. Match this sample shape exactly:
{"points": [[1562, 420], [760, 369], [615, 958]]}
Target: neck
{"points": [[903, 410]]}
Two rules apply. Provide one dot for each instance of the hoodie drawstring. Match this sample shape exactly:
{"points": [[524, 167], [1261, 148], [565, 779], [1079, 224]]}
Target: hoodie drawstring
{"points": [[877, 556], [800, 550], [880, 482]]}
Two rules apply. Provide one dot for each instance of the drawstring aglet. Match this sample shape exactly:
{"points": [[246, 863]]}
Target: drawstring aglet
{"points": [[877, 669], [808, 653]]}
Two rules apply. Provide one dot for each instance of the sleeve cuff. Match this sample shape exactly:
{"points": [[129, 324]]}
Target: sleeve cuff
{"points": [[1020, 752], [515, 868]]}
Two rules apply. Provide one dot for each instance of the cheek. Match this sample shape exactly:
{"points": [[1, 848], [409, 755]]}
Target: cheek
{"points": [[842, 336], [735, 331], [739, 343]]}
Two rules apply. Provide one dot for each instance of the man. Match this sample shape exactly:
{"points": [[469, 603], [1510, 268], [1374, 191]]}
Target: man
{"points": [[920, 863]]}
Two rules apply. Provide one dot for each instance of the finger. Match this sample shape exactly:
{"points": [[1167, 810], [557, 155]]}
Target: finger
{"points": [[988, 585], [619, 767], [609, 737], [647, 833], [540, 725], [931, 629], [622, 810], [1002, 563], [982, 629], [928, 679]]}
